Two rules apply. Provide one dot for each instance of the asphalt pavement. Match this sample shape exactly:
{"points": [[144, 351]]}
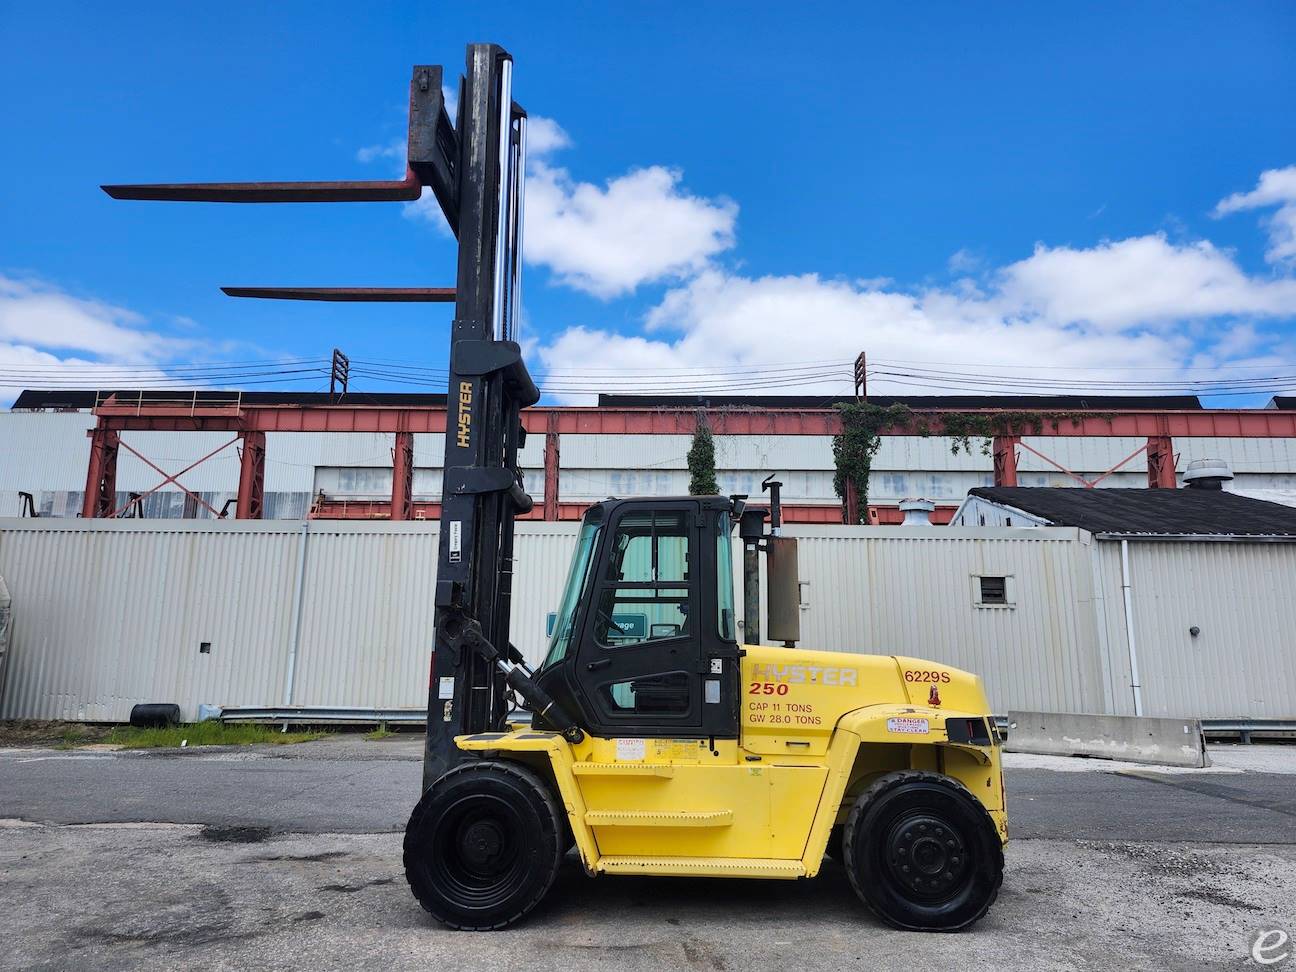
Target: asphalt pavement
{"points": [[347, 784]]}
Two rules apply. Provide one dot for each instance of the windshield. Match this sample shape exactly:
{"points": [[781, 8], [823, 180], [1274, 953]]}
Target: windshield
{"points": [[577, 576]]}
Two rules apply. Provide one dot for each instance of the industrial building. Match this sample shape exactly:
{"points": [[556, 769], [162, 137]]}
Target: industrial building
{"points": [[245, 550], [325, 474]]}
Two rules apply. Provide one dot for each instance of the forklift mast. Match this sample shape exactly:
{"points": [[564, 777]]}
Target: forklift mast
{"points": [[481, 488], [475, 166]]}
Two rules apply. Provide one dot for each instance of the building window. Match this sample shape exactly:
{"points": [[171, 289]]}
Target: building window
{"points": [[993, 590]]}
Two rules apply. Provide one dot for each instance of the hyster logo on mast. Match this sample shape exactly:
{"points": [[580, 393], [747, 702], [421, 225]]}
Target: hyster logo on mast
{"points": [[465, 413]]}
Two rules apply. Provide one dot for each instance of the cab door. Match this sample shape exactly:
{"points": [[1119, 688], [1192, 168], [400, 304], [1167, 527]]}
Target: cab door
{"points": [[652, 661], [638, 663]]}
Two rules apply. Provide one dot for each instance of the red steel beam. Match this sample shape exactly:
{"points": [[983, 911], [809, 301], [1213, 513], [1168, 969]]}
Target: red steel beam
{"points": [[849, 513], [1005, 460], [101, 473], [402, 498], [1160, 462], [551, 468], [337, 509], [1224, 423], [251, 489]]}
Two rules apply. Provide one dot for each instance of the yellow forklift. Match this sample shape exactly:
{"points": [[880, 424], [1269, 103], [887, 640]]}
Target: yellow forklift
{"points": [[652, 738], [659, 744]]}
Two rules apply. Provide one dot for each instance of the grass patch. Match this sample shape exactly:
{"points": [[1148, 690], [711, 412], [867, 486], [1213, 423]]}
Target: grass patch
{"points": [[209, 733], [382, 732], [74, 734]]}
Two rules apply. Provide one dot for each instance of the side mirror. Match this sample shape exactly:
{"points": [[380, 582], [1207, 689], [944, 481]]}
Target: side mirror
{"points": [[739, 501], [751, 526]]}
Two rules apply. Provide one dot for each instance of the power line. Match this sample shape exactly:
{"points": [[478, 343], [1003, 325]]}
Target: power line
{"points": [[718, 379]]}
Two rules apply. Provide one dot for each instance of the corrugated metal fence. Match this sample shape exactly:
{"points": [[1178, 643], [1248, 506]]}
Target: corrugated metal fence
{"points": [[110, 613], [1240, 598]]}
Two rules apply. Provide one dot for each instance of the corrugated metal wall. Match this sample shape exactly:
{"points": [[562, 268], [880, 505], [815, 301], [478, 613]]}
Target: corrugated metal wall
{"points": [[907, 590], [109, 613], [1242, 599], [112, 612]]}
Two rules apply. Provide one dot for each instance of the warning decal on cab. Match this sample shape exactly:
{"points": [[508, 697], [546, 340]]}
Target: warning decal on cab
{"points": [[910, 725]]}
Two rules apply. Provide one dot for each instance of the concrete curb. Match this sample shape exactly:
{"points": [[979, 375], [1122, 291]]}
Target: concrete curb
{"points": [[1165, 742]]}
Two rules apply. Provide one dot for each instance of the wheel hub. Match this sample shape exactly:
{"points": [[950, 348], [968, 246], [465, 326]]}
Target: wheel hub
{"points": [[926, 856], [480, 845]]}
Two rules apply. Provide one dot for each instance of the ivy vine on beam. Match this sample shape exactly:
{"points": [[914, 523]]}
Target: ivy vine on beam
{"points": [[862, 425]]}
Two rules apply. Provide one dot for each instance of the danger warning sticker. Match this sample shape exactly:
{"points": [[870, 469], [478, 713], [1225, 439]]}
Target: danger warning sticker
{"points": [[911, 725], [631, 749]]}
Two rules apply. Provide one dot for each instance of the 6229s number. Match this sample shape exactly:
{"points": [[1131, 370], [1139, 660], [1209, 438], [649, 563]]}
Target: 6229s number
{"points": [[926, 676]]}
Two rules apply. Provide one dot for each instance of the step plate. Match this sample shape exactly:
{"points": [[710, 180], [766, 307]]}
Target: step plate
{"points": [[659, 818], [623, 769], [751, 867]]}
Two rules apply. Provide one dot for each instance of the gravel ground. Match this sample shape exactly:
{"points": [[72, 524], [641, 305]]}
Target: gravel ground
{"points": [[289, 858], [183, 896]]}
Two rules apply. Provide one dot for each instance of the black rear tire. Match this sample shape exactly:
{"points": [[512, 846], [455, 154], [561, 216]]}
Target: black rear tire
{"points": [[483, 845], [922, 852]]}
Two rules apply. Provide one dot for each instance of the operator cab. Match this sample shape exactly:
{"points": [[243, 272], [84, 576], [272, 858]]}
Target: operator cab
{"points": [[645, 639]]}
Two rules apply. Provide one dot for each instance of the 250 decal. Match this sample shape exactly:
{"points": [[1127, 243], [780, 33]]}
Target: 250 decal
{"points": [[768, 688]]}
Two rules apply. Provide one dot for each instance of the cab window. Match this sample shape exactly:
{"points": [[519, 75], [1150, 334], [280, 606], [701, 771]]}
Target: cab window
{"points": [[645, 595]]}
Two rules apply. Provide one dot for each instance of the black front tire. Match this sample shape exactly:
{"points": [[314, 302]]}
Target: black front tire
{"points": [[483, 845], [922, 852]]}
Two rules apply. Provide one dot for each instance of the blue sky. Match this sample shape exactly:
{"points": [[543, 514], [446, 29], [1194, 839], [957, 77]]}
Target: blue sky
{"points": [[1096, 193]]}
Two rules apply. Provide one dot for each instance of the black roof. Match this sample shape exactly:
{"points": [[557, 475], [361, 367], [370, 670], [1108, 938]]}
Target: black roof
{"points": [[71, 399], [1148, 512], [1286, 403], [1114, 403]]}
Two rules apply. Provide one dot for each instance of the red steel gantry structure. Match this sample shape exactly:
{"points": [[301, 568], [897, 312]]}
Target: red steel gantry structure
{"points": [[249, 424]]}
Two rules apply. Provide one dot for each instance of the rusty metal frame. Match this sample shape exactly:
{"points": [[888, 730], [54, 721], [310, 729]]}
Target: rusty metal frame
{"points": [[1090, 483], [116, 416], [137, 498]]}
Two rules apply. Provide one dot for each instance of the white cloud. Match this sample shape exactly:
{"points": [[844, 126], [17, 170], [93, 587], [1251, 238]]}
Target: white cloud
{"points": [[1277, 187], [396, 150], [37, 314], [1143, 281], [544, 135], [1110, 311], [637, 228], [22, 366], [49, 337], [605, 240], [964, 261]]}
